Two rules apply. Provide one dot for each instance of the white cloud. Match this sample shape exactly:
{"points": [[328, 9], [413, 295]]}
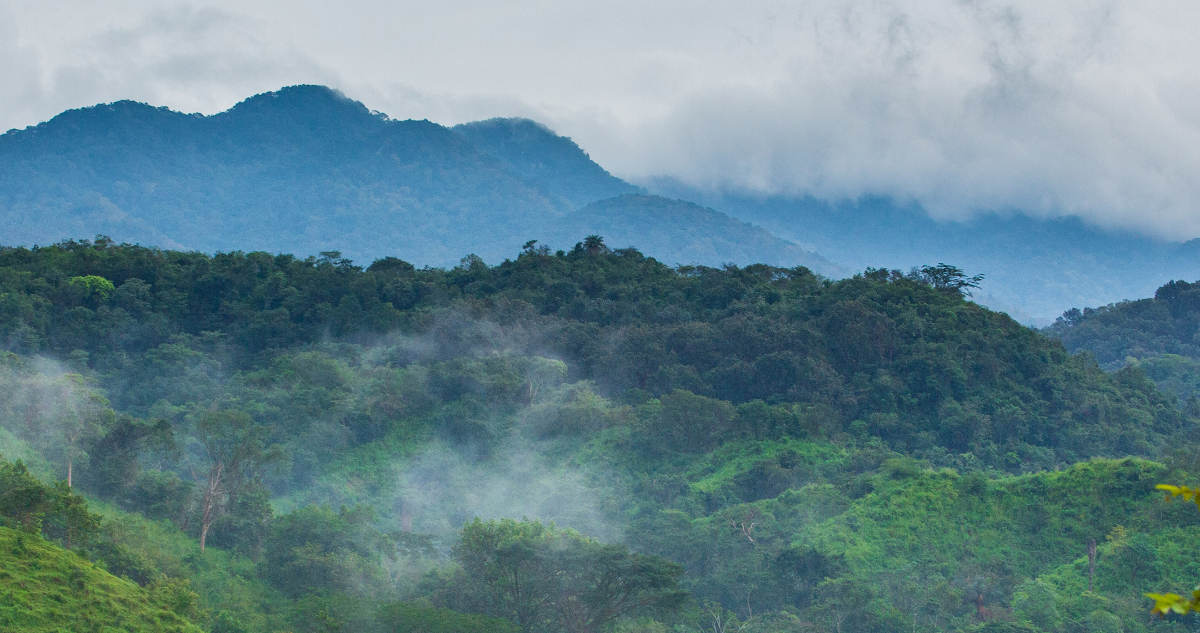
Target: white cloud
{"points": [[191, 59], [1069, 107]]}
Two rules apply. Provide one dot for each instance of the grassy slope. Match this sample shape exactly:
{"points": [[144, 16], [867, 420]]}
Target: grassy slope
{"points": [[46, 588]]}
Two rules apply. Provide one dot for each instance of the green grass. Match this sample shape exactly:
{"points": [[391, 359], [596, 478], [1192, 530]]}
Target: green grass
{"points": [[736, 457], [46, 588]]}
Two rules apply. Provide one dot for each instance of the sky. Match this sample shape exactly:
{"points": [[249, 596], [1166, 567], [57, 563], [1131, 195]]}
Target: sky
{"points": [[1049, 108]]}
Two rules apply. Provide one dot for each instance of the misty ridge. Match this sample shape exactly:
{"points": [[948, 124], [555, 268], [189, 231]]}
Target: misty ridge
{"points": [[305, 170], [266, 442], [527, 425]]}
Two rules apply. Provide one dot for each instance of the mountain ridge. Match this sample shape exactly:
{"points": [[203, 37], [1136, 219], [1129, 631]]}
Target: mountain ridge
{"points": [[305, 169], [1038, 266]]}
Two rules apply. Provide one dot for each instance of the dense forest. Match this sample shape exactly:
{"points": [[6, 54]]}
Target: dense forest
{"points": [[584, 440], [1157, 334]]}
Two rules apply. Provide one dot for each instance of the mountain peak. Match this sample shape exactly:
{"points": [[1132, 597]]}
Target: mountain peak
{"points": [[303, 103], [550, 162]]}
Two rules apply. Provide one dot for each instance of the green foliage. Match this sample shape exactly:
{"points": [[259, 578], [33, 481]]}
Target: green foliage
{"points": [[411, 618], [1168, 603], [46, 588], [543, 579], [881, 354], [37, 508], [875, 454], [315, 549], [1145, 328]]}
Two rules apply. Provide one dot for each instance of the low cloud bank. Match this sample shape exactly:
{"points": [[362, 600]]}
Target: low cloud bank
{"points": [[1052, 109]]}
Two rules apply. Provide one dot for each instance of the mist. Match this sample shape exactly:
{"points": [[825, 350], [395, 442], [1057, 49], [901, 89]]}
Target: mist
{"points": [[1063, 109]]}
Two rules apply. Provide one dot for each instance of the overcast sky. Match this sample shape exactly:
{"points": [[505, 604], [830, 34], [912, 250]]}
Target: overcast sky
{"points": [[1068, 107]]}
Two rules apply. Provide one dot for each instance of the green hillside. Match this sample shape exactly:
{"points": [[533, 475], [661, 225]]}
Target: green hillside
{"points": [[46, 588], [309, 443], [1156, 335]]}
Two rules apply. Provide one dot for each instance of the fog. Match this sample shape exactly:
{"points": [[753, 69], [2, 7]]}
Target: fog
{"points": [[1060, 108], [458, 446]]}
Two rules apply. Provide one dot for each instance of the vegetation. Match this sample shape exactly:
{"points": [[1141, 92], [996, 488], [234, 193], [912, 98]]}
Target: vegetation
{"points": [[1155, 335], [583, 440], [47, 588]]}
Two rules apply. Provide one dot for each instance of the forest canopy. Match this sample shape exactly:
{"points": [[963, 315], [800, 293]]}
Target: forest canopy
{"points": [[316, 443]]}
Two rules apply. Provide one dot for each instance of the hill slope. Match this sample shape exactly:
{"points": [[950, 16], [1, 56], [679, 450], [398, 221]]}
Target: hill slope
{"points": [[552, 164], [306, 170], [1157, 335], [875, 452], [46, 588], [690, 233]]}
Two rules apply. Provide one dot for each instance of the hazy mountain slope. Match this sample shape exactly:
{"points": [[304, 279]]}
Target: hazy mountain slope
{"points": [[551, 163], [306, 170], [679, 232], [301, 169], [1036, 267]]}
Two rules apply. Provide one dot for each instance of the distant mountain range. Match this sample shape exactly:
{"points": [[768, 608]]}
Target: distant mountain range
{"points": [[305, 170], [1035, 268]]}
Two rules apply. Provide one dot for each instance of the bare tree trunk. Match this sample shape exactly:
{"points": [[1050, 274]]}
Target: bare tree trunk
{"points": [[70, 462], [209, 503], [1091, 562]]}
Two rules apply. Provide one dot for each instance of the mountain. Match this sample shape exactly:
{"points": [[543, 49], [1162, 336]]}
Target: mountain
{"points": [[307, 170], [1035, 268], [552, 164], [696, 233]]}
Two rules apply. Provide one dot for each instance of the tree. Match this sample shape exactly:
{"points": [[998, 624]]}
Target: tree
{"points": [[598, 584], [124, 441], [500, 561], [315, 549], [80, 416], [594, 244], [54, 511], [414, 618], [545, 579], [235, 451], [948, 278], [1167, 603]]}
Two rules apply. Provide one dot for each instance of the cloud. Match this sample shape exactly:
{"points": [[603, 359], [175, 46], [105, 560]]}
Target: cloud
{"points": [[1050, 108], [194, 59], [1071, 107], [20, 83]]}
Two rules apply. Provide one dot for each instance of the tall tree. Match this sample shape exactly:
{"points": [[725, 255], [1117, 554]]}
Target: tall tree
{"points": [[235, 451], [598, 584], [80, 415], [545, 579]]}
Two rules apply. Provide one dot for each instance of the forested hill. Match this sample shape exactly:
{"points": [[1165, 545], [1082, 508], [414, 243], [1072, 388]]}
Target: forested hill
{"points": [[883, 354], [305, 444], [306, 170], [1037, 267], [1166, 323], [1159, 335]]}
